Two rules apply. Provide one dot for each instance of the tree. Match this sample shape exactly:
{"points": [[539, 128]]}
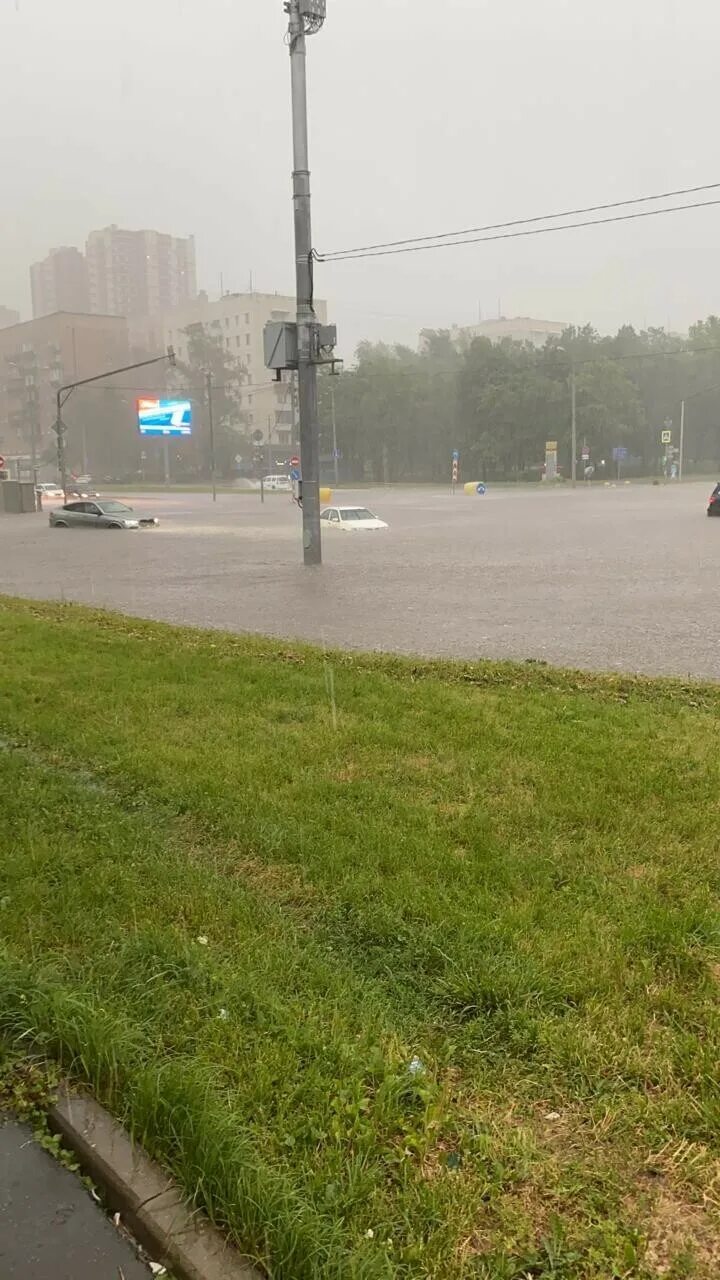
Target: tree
{"points": [[207, 353]]}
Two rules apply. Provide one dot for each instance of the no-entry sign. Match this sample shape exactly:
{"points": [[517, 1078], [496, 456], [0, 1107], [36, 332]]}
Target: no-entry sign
{"points": [[295, 462]]}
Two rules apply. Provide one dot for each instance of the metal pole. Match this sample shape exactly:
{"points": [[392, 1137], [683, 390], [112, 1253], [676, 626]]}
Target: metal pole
{"points": [[682, 440], [336, 460], [83, 430], [211, 424], [306, 322], [573, 428], [166, 454], [60, 433]]}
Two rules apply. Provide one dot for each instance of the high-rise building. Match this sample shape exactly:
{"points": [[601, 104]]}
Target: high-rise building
{"points": [[59, 283], [136, 273], [8, 316]]}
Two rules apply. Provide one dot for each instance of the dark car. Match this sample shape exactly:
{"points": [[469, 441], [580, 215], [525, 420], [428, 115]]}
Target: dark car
{"points": [[714, 502]]}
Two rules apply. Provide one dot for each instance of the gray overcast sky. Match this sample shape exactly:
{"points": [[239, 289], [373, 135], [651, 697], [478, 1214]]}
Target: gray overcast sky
{"points": [[174, 114]]}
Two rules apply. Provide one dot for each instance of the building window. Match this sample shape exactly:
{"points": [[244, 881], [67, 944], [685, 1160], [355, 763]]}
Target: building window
{"points": [[227, 322], [237, 341], [247, 339], [247, 317], [227, 342]]}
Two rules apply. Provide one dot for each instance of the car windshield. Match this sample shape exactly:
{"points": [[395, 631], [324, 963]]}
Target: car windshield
{"points": [[113, 508], [357, 513]]}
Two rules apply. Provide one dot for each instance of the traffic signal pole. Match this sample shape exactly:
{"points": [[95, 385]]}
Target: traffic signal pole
{"points": [[63, 393]]}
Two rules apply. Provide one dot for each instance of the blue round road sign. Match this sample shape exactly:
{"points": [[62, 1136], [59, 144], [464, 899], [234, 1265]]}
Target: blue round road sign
{"points": [[295, 474], [480, 489]]}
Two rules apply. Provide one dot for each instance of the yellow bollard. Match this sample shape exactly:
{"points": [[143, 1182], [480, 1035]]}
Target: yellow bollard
{"points": [[325, 496]]}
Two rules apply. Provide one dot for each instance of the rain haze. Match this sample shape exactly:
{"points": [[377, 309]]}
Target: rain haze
{"points": [[423, 118], [360, 673]]}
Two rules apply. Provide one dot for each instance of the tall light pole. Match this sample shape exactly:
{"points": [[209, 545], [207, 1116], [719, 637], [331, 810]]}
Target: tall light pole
{"points": [[211, 425], [336, 459], [573, 421], [305, 18]]}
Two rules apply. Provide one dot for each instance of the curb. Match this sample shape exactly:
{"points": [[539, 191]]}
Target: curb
{"points": [[150, 1203]]}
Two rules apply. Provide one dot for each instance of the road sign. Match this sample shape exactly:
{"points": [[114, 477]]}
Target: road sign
{"points": [[2, 462], [665, 437], [456, 455], [294, 461], [480, 488], [585, 455], [619, 454], [295, 474]]}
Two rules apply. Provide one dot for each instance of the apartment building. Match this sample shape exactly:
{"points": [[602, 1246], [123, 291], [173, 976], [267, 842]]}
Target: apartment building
{"points": [[38, 356], [139, 273], [238, 320], [59, 283], [512, 328]]}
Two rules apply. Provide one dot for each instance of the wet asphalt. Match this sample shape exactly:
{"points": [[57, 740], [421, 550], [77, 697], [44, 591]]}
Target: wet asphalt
{"points": [[611, 578], [50, 1227]]}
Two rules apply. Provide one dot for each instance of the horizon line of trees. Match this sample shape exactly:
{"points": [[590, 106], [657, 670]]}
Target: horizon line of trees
{"points": [[400, 413]]}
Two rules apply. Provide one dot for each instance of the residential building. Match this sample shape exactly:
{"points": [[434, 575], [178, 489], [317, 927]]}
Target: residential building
{"points": [[515, 328], [138, 273], [238, 320], [38, 356], [59, 283], [8, 316]]}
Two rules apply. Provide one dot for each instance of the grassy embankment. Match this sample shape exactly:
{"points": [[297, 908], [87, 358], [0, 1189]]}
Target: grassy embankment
{"points": [[243, 887]]}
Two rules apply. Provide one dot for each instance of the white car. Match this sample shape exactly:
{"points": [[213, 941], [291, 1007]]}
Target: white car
{"points": [[351, 519], [280, 484], [49, 491]]}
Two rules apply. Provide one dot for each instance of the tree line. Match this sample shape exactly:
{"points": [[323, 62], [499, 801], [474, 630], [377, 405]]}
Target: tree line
{"points": [[400, 413]]}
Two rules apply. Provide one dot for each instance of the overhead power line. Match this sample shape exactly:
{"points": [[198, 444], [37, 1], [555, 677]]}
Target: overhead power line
{"points": [[448, 239]]}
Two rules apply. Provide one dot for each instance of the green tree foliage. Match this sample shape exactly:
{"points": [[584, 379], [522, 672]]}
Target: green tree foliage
{"points": [[400, 413], [207, 353]]}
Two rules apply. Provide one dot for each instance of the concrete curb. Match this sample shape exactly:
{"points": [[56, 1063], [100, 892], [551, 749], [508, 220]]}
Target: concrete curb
{"points": [[149, 1202]]}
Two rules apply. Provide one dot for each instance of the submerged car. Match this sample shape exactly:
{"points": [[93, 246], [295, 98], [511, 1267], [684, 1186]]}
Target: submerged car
{"points": [[351, 519], [713, 508], [106, 514]]}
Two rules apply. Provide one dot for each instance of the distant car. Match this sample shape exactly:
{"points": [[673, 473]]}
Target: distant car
{"points": [[50, 491], [351, 519], [713, 508], [78, 490], [107, 514], [282, 484]]}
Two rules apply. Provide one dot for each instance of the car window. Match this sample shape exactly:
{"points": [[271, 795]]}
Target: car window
{"points": [[111, 508], [334, 515], [91, 508], [358, 513], [74, 506]]}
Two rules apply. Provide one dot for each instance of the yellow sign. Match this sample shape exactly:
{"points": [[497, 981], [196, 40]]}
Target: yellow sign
{"points": [[551, 446]]}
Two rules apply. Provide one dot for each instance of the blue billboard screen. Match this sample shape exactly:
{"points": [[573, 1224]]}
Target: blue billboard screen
{"points": [[164, 417]]}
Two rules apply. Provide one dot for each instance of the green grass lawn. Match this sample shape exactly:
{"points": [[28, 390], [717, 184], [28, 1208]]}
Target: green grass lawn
{"points": [[405, 970]]}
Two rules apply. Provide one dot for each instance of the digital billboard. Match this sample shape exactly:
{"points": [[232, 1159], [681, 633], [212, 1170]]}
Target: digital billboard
{"points": [[164, 417]]}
